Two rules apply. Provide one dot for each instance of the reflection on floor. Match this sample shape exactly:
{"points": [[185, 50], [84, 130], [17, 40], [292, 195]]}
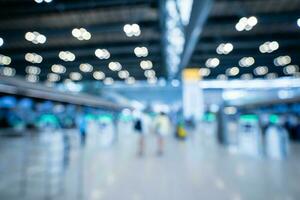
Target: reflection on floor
{"points": [[55, 167]]}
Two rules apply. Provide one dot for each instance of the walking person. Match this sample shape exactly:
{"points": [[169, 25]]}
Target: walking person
{"points": [[162, 128], [138, 128]]}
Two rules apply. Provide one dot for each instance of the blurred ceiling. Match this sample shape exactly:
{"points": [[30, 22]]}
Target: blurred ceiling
{"points": [[276, 21], [104, 19]]}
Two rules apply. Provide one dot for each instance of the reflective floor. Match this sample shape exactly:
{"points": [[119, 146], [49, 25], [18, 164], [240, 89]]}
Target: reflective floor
{"points": [[53, 166]]}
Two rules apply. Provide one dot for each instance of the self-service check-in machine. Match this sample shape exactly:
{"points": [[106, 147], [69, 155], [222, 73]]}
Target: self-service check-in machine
{"points": [[250, 136]]}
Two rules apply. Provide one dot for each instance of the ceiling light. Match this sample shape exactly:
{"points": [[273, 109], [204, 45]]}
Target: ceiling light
{"points": [[152, 80], [130, 80], [81, 34], [33, 70], [261, 70], [149, 73], [33, 58], [233, 71], [222, 77], [7, 71], [41, 1], [108, 81], [204, 72], [98, 75], [123, 74], [59, 69], [132, 30], [298, 22], [290, 69], [141, 52], [282, 60], [246, 23], [271, 76], [269, 47], [32, 78], [75, 76], [5, 60], [1, 41], [102, 54], [246, 61], [66, 56], [175, 83], [212, 62], [115, 66], [35, 37], [224, 48], [146, 64], [86, 67], [51, 77], [246, 76]]}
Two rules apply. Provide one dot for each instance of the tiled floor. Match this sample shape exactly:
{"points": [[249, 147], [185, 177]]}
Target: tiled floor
{"points": [[44, 167]]}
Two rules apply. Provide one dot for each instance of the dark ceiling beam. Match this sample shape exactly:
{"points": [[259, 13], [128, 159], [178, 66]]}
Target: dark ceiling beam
{"points": [[253, 37], [81, 46], [263, 18], [245, 45], [89, 53], [12, 9]]}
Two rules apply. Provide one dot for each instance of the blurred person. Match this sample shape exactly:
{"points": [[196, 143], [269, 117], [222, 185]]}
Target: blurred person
{"points": [[162, 128], [81, 124], [138, 128]]}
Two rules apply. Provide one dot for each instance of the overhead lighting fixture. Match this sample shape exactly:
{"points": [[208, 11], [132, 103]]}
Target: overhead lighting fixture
{"points": [[204, 72], [146, 64], [5, 60], [282, 60], [41, 1], [66, 56], [271, 76], [233, 71], [32, 78], [75, 76], [141, 51], [1, 41], [222, 77], [261, 70], [81, 34], [51, 77], [86, 67], [98, 75], [130, 80], [33, 58], [123, 74], [35, 37], [7, 71], [149, 73], [246, 24], [59, 69], [132, 30], [224, 48], [115, 66], [175, 83], [212, 62], [246, 61], [246, 76], [102, 53], [298, 22], [269, 47], [152, 80], [33, 70], [290, 69], [108, 81]]}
